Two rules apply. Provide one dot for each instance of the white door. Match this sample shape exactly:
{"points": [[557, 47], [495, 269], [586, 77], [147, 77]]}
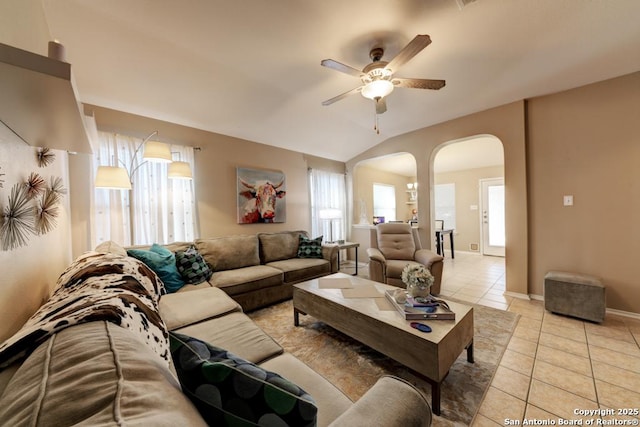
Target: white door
{"points": [[492, 216]]}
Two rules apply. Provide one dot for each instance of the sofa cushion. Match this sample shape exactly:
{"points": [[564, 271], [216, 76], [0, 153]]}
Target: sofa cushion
{"points": [[228, 253], [96, 373], [330, 400], [298, 269], [310, 248], [247, 279], [185, 308], [228, 390], [277, 246], [237, 333], [110, 247], [163, 262], [192, 267]]}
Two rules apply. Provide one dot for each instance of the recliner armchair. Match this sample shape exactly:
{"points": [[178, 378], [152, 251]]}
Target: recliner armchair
{"points": [[392, 247]]}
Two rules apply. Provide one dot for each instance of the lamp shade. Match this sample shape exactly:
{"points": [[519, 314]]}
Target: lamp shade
{"points": [[180, 170], [330, 214], [377, 89], [113, 177], [155, 151]]}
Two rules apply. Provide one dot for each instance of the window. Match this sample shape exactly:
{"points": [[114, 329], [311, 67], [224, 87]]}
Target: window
{"points": [[384, 201], [328, 204], [445, 204], [163, 209]]}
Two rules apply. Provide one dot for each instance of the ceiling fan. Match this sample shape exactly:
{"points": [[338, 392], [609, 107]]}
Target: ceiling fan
{"points": [[377, 78]]}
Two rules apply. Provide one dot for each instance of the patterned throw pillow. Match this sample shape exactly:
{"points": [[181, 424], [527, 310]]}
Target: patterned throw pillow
{"points": [[163, 262], [228, 390], [309, 248], [192, 266]]}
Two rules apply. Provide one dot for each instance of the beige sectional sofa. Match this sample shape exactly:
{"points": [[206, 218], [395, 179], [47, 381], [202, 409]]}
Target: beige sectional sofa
{"points": [[258, 270], [98, 373]]}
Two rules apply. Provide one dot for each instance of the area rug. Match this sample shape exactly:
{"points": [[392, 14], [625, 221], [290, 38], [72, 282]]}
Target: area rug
{"points": [[354, 367]]}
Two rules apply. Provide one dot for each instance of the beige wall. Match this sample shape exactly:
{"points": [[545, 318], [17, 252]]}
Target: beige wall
{"points": [[365, 177], [467, 194], [507, 123], [586, 143], [29, 272], [215, 171]]}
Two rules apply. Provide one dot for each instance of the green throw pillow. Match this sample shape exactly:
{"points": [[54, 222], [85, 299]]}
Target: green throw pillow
{"points": [[192, 266], [163, 262], [309, 248], [228, 390]]}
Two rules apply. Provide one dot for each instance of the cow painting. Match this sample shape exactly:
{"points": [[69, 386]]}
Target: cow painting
{"points": [[258, 194]]}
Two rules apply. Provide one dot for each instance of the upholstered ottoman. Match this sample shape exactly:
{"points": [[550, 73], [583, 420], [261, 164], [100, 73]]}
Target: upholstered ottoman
{"points": [[577, 295]]}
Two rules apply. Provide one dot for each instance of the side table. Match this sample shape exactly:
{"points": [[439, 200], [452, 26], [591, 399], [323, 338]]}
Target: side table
{"points": [[348, 245]]}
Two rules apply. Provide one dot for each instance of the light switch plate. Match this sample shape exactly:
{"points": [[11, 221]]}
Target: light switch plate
{"points": [[568, 200]]}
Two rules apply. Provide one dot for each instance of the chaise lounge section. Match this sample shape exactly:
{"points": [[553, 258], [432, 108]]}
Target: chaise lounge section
{"points": [[93, 371]]}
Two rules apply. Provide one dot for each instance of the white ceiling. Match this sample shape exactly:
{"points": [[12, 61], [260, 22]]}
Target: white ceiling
{"points": [[251, 68]]}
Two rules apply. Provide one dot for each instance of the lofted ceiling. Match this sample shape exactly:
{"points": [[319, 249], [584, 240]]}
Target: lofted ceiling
{"points": [[251, 68]]}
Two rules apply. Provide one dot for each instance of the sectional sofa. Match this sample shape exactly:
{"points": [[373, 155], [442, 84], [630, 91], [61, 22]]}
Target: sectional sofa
{"points": [[259, 269], [98, 353]]}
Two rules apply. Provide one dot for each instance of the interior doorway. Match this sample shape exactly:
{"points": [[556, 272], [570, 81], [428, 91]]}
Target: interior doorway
{"points": [[461, 165], [492, 218]]}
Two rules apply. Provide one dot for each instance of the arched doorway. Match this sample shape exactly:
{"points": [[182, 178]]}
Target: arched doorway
{"points": [[468, 193]]}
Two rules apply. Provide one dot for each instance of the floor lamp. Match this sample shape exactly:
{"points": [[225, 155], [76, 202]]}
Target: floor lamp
{"points": [[330, 215], [121, 178]]}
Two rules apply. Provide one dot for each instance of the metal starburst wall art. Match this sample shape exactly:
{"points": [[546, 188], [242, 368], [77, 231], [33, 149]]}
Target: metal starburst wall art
{"points": [[35, 185], [46, 212], [45, 157], [17, 219]]}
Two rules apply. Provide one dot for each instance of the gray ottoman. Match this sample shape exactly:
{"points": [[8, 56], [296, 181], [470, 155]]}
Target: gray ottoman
{"points": [[577, 295]]}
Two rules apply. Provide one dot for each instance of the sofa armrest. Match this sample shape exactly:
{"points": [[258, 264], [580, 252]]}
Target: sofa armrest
{"points": [[390, 402], [426, 257], [186, 308], [375, 255], [377, 265], [330, 253]]}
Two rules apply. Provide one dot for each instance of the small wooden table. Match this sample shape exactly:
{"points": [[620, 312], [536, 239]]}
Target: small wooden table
{"points": [[348, 245], [429, 355]]}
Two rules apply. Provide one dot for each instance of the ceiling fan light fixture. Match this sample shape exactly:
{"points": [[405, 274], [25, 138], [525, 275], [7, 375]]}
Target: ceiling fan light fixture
{"points": [[377, 89]]}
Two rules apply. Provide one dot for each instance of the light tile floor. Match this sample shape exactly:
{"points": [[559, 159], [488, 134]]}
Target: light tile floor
{"points": [[553, 365]]}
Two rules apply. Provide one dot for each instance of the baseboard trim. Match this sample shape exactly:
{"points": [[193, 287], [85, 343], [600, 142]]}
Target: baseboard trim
{"points": [[623, 313], [608, 310], [517, 295]]}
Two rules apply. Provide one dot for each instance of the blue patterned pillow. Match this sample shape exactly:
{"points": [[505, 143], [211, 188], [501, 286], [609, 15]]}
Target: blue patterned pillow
{"points": [[163, 262], [228, 390], [309, 248], [192, 266]]}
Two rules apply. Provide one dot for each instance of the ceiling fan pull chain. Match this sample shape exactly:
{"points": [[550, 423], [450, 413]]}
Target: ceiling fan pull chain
{"points": [[376, 125]]}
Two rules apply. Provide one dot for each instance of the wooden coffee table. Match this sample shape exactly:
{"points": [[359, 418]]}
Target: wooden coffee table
{"points": [[430, 355]]}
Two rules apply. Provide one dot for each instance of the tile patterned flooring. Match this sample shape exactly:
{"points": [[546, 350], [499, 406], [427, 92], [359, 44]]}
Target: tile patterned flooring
{"points": [[554, 365]]}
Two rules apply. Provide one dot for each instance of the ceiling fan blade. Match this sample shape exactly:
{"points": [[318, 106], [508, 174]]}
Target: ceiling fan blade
{"points": [[342, 95], [381, 105], [419, 83], [414, 47], [338, 66]]}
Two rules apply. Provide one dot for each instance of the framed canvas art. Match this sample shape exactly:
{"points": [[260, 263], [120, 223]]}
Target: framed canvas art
{"points": [[261, 196]]}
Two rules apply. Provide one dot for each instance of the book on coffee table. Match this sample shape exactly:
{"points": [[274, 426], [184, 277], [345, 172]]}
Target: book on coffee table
{"points": [[430, 312]]}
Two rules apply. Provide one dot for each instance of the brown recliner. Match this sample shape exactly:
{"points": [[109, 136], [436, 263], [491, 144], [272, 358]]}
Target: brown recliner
{"points": [[392, 247]]}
